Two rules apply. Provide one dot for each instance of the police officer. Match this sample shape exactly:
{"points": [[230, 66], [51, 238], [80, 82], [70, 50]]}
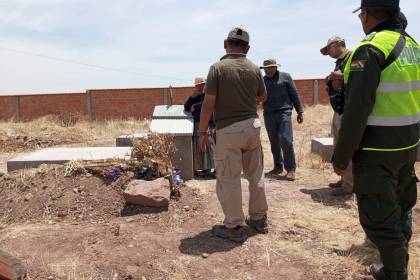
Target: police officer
{"points": [[380, 131], [336, 48]]}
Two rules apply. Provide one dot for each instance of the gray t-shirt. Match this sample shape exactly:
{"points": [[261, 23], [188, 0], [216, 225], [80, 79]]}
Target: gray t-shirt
{"points": [[236, 82]]}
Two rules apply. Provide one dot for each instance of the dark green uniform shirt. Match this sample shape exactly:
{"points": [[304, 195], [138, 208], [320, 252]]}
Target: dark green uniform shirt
{"points": [[360, 98]]}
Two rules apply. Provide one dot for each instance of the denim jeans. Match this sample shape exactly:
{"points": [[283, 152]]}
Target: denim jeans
{"points": [[280, 134]]}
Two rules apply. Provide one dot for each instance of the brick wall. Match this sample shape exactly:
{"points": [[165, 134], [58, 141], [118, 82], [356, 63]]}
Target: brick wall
{"points": [[122, 103], [7, 107], [35, 106]]}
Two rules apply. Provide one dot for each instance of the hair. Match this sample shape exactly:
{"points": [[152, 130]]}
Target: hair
{"points": [[382, 14], [236, 43]]}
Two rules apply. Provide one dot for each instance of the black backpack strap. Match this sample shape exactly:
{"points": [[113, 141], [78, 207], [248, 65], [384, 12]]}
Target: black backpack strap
{"points": [[395, 53]]}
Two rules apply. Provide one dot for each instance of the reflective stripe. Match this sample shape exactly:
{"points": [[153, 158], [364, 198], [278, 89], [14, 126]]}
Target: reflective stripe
{"points": [[391, 150], [398, 87], [394, 121]]}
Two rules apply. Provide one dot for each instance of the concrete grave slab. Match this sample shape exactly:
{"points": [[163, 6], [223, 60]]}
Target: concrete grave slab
{"points": [[322, 147], [63, 155], [170, 112]]}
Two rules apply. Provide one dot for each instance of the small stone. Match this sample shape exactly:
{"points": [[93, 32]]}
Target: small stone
{"points": [[248, 262], [50, 222], [186, 208], [205, 255], [129, 220], [44, 187], [143, 278], [197, 275], [76, 190], [131, 246], [115, 229], [28, 197], [50, 278]]}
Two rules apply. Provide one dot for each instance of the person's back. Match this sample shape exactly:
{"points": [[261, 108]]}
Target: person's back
{"points": [[238, 84], [234, 87]]}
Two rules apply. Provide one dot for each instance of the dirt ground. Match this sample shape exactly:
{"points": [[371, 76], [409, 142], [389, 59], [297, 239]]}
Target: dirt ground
{"points": [[80, 228]]}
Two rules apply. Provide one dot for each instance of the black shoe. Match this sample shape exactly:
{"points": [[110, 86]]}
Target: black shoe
{"points": [[261, 225], [377, 271], [233, 234]]}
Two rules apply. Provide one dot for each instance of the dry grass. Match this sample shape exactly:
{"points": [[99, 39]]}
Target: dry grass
{"points": [[53, 131]]}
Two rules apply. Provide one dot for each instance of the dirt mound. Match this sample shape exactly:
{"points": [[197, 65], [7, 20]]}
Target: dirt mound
{"points": [[48, 196]]}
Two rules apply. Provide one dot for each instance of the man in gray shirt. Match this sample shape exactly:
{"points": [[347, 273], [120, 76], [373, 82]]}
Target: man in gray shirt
{"points": [[233, 89]]}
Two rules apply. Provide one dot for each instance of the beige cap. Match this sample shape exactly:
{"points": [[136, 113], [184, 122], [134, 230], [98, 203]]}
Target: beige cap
{"points": [[271, 62], [239, 33], [199, 80], [333, 39]]}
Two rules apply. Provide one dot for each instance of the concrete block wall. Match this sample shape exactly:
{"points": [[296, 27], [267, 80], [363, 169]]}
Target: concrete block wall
{"points": [[99, 104]]}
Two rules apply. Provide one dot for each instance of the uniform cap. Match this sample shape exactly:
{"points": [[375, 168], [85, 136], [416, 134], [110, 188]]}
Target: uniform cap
{"points": [[333, 39], [271, 62], [239, 33], [378, 4]]}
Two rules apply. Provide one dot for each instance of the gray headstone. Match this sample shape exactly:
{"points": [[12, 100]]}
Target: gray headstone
{"points": [[170, 112]]}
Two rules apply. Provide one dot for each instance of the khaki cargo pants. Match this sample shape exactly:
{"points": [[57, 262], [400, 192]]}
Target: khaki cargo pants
{"points": [[238, 147], [347, 179]]}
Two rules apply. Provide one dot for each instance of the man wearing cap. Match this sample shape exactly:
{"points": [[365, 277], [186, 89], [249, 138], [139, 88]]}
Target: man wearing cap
{"points": [[336, 48], [233, 89], [203, 161], [281, 98], [380, 131]]}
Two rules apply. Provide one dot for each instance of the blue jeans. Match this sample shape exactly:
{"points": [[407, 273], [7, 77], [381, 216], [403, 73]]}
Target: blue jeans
{"points": [[280, 133]]}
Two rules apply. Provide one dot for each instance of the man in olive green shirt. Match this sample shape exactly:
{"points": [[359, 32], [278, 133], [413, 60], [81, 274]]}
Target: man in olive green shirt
{"points": [[234, 88]]}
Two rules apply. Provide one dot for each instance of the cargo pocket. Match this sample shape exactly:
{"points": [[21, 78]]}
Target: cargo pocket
{"points": [[222, 166], [378, 209]]}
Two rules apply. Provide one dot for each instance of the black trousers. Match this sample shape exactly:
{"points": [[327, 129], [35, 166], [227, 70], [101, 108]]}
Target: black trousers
{"points": [[386, 188]]}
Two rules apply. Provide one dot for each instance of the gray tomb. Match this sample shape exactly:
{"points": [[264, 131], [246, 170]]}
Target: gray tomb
{"points": [[322, 147], [171, 120], [63, 155]]}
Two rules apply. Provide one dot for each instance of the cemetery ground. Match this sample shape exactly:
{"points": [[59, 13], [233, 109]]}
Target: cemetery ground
{"points": [[79, 227]]}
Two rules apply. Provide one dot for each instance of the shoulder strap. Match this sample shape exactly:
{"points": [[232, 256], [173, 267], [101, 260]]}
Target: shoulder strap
{"points": [[395, 52]]}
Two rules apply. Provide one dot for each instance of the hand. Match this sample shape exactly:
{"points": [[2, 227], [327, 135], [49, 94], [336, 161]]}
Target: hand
{"points": [[192, 109], [336, 75], [203, 140], [300, 118], [338, 171]]}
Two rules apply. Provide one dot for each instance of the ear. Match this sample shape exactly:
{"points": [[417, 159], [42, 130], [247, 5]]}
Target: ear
{"points": [[225, 44], [246, 49]]}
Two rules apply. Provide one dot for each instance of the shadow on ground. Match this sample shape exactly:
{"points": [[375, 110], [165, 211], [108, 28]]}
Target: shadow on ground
{"points": [[206, 242], [131, 210], [324, 196]]}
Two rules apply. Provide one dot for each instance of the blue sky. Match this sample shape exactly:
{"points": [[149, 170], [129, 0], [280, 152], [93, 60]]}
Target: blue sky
{"points": [[165, 42]]}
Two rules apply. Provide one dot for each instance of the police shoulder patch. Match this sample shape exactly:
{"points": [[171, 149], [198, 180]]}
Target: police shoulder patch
{"points": [[357, 65]]}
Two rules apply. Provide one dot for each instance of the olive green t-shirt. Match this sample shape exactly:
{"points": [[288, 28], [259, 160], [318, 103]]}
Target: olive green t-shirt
{"points": [[236, 82]]}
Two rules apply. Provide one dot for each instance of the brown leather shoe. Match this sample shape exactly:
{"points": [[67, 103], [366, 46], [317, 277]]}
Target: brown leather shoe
{"points": [[345, 189], [336, 184], [290, 176]]}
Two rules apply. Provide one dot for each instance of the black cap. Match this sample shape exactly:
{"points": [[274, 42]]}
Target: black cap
{"points": [[379, 4], [403, 20]]}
